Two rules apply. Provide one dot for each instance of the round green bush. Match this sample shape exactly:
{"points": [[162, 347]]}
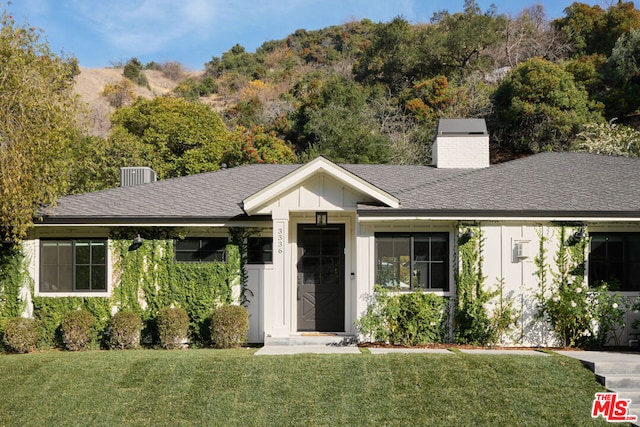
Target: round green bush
{"points": [[20, 335], [124, 330], [173, 326], [229, 326], [77, 330]]}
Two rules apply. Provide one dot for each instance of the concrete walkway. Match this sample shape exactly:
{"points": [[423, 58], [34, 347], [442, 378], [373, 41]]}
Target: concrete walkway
{"points": [[352, 349], [618, 371]]}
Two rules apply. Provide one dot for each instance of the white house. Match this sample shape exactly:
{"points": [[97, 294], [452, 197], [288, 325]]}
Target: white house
{"points": [[324, 234]]}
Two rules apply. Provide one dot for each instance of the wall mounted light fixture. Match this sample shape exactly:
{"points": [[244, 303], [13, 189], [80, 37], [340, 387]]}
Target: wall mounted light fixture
{"points": [[321, 218], [137, 242]]}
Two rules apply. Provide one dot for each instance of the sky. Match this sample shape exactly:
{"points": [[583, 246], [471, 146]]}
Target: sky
{"points": [[104, 33]]}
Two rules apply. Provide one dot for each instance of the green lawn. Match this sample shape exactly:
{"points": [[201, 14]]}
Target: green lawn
{"points": [[233, 387]]}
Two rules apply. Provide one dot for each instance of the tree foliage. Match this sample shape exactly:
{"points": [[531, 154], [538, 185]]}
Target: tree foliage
{"points": [[608, 138], [178, 137], [256, 145], [37, 125], [538, 106]]}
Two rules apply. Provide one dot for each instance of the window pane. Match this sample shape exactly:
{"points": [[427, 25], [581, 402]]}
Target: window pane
{"points": [[439, 276], [83, 253], [49, 278], [65, 278], [188, 245], [393, 262], [259, 250], [184, 256], [83, 278], [98, 278], [98, 253], [49, 253]]}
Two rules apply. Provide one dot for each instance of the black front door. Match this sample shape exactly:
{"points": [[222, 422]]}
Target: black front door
{"points": [[321, 278]]}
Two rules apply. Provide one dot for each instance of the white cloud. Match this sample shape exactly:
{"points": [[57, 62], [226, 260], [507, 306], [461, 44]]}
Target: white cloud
{"points": [[144, 26]]}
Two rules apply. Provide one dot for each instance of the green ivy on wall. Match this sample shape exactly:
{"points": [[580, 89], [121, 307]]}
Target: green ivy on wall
{"points": [[472, 323], [578, 315], [13, 277], [150, 279]]}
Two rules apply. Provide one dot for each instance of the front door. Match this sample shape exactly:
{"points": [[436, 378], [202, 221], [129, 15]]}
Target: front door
{"points": [[321, 278]]}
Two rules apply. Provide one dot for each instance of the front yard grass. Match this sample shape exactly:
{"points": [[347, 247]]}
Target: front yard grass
{"points": [[233, 387]]}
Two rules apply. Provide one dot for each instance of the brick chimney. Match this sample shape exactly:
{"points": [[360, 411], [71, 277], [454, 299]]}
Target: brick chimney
{"points": [[461, 143]]}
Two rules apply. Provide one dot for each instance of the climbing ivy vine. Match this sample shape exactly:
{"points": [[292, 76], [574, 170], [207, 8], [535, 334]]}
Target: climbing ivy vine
{"points": [[13, 277], [150, 279], [579, 316], [473, 322]]}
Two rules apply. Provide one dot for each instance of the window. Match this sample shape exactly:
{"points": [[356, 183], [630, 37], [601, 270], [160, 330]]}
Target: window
{"points": [[407, 261], [260, 250], [615, 258], [207, 249], [73, 265]]}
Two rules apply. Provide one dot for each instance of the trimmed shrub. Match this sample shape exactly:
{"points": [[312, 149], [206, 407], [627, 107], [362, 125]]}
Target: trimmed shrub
{"points": [[20, 335], [124, 330], [173, 325], [229, 326], [77, 330]]}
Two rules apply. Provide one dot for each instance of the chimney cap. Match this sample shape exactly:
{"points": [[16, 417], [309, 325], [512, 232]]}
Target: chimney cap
{"points": [[461, 127]]}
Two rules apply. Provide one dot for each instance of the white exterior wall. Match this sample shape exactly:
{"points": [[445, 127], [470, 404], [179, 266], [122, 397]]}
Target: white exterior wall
{"points": [[461, 152], [519, 274]]}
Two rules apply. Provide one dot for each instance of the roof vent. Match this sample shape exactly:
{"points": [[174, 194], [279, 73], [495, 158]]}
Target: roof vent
{"points": [[132, 176], [461, 143]]}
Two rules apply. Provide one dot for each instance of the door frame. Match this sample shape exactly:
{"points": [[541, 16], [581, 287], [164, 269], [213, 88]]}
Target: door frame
{"points": [[340, 235], [347, 219]]}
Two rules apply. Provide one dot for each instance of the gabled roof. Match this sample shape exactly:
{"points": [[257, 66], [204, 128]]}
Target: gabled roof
{"points": [[546, 184], [319, 165]]}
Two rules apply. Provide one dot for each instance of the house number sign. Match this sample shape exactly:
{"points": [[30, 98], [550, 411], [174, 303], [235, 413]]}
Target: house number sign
{"points": [[280, 240]]}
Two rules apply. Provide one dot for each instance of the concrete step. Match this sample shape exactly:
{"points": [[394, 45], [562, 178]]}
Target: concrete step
{"points": [[619, 381], [336, 340], [604, 368], [629, 393]]}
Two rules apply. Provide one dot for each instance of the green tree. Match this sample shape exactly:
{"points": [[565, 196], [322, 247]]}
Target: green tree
{"points": [[37, 124], [181, 138], [97, 161], [392, 57], [622, 72], [538, 106], [592, 30], [256, 145], [341, 119], [459, 44]]}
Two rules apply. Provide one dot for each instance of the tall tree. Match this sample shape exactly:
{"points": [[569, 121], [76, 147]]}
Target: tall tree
{"points": [[180, 137], [593, 30], [538, 106], [37, 124]]}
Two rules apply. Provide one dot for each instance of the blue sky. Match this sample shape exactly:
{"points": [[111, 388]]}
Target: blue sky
{"points": [[100, 33]]}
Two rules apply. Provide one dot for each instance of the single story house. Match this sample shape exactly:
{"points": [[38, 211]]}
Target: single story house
{"points": [[321, 235]]}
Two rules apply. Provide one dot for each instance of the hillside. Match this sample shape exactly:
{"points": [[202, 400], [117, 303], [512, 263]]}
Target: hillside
{"points": [[91, 82]]}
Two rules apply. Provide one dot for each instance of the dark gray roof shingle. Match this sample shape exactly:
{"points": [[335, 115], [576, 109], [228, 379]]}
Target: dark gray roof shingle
{"points": [[578, 183]]}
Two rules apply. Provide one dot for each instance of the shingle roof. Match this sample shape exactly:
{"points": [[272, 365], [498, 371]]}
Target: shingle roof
{"points": [[567, 183]]}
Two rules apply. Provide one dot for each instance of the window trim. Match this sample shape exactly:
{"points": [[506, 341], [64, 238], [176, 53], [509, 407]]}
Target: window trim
{"points": [[200, 246], [38, 261], [412, 236]]}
